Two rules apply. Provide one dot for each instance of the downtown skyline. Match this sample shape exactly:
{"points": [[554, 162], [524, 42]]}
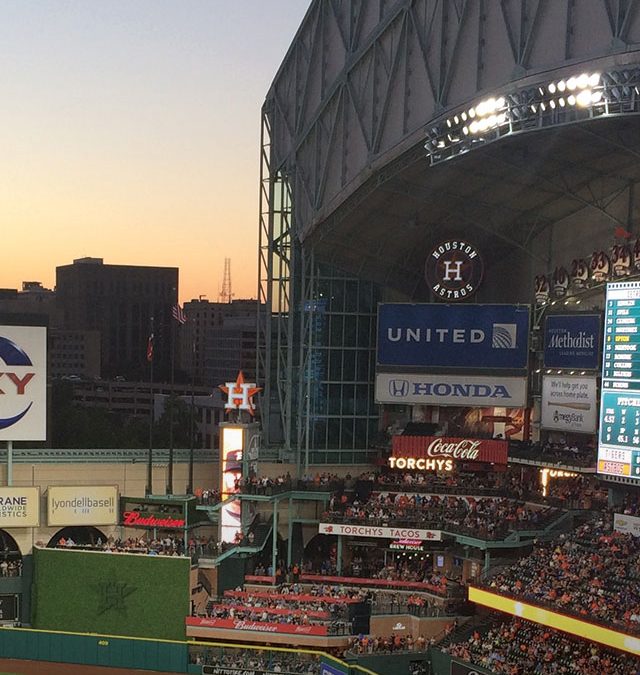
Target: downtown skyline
{"points": [[131, 131]]}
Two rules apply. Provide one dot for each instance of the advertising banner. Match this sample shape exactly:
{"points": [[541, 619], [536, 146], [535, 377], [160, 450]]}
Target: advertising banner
{"points": [[461, 336], [458, 668], [547, 617], [329, 669], [225, 670], [493, 450], [259, 626], [626, 524], [23, 383], [569, 404], [451, 390], [82, 505], [379, 532], [572, 341], [19, 507]]}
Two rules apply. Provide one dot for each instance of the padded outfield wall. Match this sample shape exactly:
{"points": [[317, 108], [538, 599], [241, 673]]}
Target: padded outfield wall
{"points": [[110, 593]]}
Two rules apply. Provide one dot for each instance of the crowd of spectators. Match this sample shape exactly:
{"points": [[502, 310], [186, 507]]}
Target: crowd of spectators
{"points": [[417, 604], [11, 567], [485, 517], [168, 545], [290, 604], [261, 660], [630, 505], [593, 572], [409, 570], [207, 496], [276, 605], [492, 483], [324, 591], [518, 647], [512, 482], [262, 485], [370, 644]]}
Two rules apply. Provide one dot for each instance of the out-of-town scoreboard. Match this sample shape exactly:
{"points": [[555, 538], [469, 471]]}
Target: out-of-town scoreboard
{"points": [[619, 438]]}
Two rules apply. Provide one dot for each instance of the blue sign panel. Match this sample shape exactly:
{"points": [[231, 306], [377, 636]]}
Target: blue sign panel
{"points": [[572, 341], [328, 669], [460, 336]]}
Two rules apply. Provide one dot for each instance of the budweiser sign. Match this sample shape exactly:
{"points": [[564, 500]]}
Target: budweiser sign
{"points": [[257, 626], [137, 519], [441, 453]]}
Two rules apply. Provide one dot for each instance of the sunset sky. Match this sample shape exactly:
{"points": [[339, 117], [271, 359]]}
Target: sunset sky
{"points": [[129, 131]]}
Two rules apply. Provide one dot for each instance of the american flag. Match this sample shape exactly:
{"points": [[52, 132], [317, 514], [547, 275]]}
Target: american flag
{"points": [[150, 348], [178, 314]]}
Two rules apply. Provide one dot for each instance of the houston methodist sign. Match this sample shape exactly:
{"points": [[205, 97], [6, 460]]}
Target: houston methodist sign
{"points": [[23, 383]]}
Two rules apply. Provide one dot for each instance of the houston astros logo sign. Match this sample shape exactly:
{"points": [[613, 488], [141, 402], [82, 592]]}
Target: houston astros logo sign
{"points": [[22, 383], [453, 270], [240, 394]]}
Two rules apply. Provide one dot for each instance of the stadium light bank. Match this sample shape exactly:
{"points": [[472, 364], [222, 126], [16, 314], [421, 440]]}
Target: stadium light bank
{"points": [[559, 102]]}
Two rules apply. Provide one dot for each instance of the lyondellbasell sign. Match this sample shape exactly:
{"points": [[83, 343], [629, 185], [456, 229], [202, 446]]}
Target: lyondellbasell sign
{"points": [[82, 505]]}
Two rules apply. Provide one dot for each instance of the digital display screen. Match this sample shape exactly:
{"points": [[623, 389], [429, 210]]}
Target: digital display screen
{"points": [[8, 607], [231, 513], [619, 438]]}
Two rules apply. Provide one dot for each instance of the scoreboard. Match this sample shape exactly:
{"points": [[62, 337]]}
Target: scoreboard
{"points": [[619, 438]]}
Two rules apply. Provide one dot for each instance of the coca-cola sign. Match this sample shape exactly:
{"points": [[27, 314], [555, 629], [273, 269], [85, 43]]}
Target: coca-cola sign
{"points": [[442, 453], [465, 448]]}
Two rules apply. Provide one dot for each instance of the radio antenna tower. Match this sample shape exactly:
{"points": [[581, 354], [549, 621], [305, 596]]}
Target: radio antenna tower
{"points": [[226, 294]]}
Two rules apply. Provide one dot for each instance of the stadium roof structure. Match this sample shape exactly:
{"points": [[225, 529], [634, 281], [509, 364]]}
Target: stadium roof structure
{"points": [[393, 125], [357, 122]]}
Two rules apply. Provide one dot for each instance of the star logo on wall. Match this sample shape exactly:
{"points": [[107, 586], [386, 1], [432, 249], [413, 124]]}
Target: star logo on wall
{"points": [[112, 595]]}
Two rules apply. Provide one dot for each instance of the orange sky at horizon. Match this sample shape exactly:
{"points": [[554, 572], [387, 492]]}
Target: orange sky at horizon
{"points": [[130, 132]]}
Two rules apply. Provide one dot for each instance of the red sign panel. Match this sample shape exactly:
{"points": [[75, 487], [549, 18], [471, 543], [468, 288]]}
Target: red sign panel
{"points": [[258, 626], [448, 447], [137, 519]]}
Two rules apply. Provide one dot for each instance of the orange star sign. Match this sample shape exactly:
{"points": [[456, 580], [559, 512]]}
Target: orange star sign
{"points": [[240, 394]]}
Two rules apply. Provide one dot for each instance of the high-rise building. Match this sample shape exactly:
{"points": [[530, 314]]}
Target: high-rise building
{"points": [[120, 301], [33, 298], [218, 340]]}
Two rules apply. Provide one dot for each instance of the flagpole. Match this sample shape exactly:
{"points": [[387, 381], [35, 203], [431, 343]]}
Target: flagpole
{"points": [[171, 396], [149, 488], [191, 415]]}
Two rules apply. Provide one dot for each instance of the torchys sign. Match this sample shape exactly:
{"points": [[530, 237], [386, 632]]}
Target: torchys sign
{"points": [[379, 532], [441, 453]]}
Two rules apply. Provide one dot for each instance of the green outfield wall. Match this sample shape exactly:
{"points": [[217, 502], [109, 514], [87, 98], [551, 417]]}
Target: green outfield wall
{"points": [[110, 593]]}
